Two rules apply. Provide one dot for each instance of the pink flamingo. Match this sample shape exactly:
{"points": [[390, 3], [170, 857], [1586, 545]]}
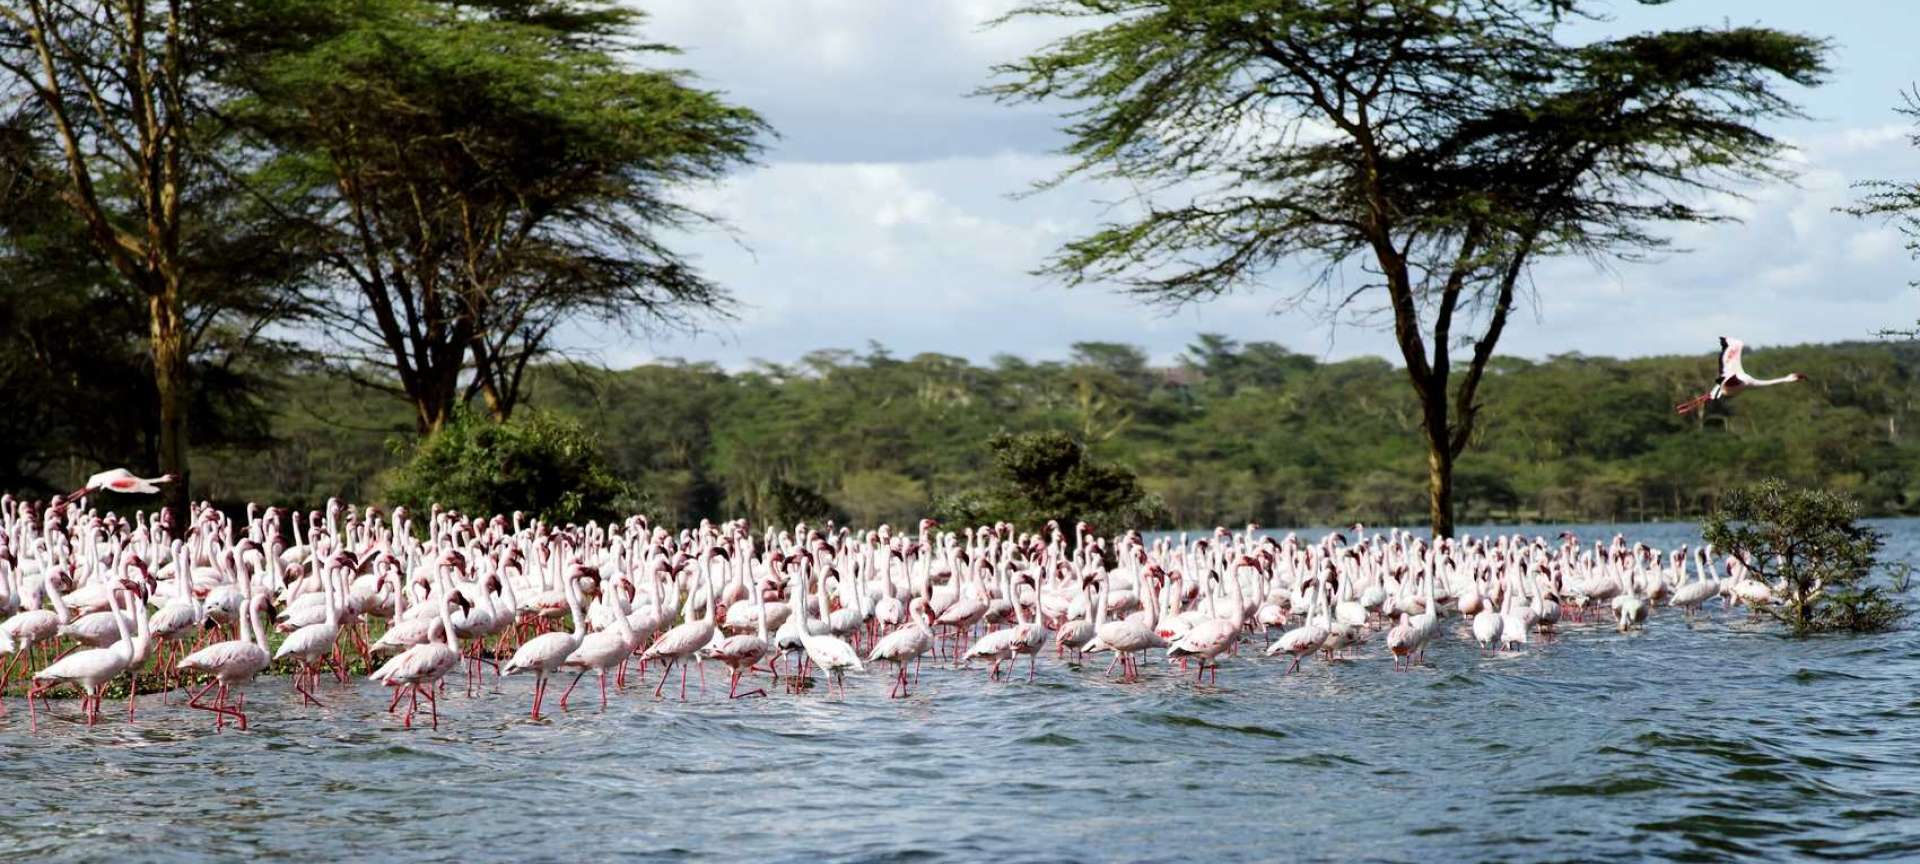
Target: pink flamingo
{"points": [[905, 645], [546, 652], [90, 669], [1733, 379], [679, 644], [233, 663], [421, 667], [741, 652], [120, 480]]}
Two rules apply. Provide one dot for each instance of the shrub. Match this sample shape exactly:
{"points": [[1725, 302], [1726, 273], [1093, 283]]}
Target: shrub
{"points": [[548, 466], [1809, 543], [1042, 476]]}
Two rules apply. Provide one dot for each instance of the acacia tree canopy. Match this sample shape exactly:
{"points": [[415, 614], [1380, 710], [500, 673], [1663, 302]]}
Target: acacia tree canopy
{"points": [[1435, 147], [480, 174]]}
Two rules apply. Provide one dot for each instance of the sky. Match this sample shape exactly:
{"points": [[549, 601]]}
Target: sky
{"points": [[888, 210]]}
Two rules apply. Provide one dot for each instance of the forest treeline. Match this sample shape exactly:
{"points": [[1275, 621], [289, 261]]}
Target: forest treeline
{"points": [[1230, 433]]}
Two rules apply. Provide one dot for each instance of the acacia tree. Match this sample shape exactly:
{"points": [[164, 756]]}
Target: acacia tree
{"points": [[110, 77], [481, 174], [112, 107], [1429, 149], [74, 364], [1898, 201]]}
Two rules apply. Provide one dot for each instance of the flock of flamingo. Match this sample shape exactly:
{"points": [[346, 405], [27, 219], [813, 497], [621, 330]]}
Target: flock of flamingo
{"points": [[90, 598]]}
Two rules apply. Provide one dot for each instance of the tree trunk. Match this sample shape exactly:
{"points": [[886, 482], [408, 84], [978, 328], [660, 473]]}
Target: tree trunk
{"points": [[167, 332], [1440, 486], [432, 408]]}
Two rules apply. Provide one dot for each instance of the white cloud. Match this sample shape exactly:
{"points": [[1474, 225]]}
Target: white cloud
{"points": [[884, 214]]}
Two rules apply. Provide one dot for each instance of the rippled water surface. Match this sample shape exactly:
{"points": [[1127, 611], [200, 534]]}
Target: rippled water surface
{"points": [[1719, 741]]}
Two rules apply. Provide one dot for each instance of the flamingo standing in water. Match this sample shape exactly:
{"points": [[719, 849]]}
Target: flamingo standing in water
{"points": [[905, 645], [742, 651], [679, 645], [421, 667], [20, 633], [548, 651], [91, 669], [236, 662], [827, 651], [1733, 379]]}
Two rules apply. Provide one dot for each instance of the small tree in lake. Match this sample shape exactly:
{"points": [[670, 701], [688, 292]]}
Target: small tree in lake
{"points": [[1807, 544], [1049, 476], [539, 463]]}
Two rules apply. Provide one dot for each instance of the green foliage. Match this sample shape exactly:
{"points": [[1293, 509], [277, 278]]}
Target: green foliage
{"points": [[1040, 477], [479, 175], [1897, 201], [1225, 436], [1440, 145], [75, 367], [1810, 542], [545, 465]]}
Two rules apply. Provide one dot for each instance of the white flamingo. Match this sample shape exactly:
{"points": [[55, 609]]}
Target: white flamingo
{"points": [[1733, 379]]}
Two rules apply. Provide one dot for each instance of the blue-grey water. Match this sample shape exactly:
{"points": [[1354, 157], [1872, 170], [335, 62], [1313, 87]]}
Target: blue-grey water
{"points": [[1719, 741]]}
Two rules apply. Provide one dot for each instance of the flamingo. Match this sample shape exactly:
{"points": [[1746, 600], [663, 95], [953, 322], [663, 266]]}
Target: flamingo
{"points": [[1732, 379], [1691, 595], [20, 633], [312, 642], [421, 667], [601, 650], [679, 644], [906, 644], [548, 651], [832, 654], [1125, 637], [90, 670], [1208, 639], [120, 480], [740, 652], [233, 663]]}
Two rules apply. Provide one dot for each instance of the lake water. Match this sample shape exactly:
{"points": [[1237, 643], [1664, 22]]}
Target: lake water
{"points": [[1715, 742]]}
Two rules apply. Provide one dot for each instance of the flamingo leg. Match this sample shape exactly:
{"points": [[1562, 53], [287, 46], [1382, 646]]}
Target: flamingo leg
{"points": [[569, 691], [663, 678]]}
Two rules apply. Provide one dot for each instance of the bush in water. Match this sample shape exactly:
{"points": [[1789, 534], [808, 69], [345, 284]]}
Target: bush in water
{"points": [[1809, 547]]}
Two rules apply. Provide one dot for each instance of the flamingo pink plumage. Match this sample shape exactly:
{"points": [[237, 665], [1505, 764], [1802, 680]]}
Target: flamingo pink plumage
{"points": [[1732, 379]]}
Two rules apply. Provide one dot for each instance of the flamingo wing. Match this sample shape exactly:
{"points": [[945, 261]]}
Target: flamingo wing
{"points": [[1730, 357], [545, 651]]}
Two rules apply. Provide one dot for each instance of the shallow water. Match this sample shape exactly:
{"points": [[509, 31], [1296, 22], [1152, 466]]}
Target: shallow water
{"points": [[1717, 741]]}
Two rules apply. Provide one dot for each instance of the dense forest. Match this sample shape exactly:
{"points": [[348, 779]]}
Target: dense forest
{"points": [[1230, 433]]}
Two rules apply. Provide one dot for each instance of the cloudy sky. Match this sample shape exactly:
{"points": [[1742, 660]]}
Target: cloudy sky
{"points": [[884, 211]]}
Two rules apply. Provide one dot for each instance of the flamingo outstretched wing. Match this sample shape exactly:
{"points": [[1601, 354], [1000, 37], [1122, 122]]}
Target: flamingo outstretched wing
{"points": [[1730, 357]]}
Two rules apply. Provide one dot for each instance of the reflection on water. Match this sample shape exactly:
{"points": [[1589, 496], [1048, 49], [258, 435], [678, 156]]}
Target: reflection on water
{"points": [[1719, 741]]}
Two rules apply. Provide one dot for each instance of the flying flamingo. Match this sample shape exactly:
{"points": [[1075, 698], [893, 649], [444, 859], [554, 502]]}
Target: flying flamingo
{"points": [[120, 480], [1733, 379]]}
